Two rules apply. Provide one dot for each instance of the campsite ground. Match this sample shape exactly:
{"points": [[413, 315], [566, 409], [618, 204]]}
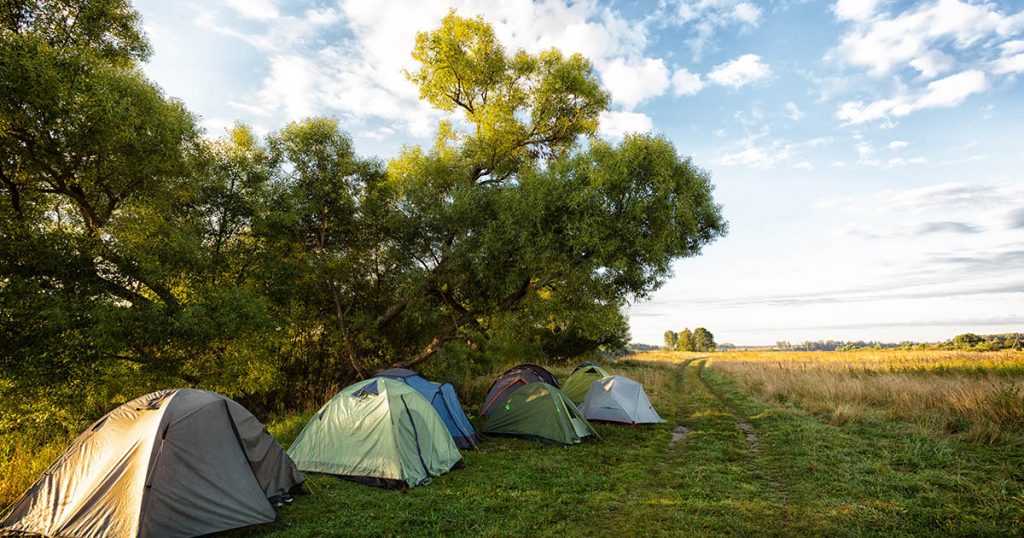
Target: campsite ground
{"points": [[777, 444], [858, 443]]}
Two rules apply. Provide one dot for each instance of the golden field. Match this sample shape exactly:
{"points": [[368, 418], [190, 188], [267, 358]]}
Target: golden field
{"points": [[976, 396]]}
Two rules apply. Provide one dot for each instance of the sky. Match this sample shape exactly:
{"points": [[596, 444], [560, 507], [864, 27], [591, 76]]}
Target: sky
{"points": [[867, 154]]}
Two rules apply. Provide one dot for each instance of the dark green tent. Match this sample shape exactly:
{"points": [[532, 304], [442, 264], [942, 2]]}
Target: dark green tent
{"points": [[579, 382], [539, 411]]}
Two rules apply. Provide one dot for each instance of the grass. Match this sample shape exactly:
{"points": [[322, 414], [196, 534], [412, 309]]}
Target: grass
{"points": [[976, 397], [750, 464], [21, 463]]}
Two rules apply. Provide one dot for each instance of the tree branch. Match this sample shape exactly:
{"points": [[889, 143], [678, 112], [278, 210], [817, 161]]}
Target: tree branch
{"points": [[15, 196], [391, 314], [453, 331]]}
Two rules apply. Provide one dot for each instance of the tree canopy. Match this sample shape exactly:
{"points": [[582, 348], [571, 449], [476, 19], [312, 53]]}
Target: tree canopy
{"points": [[137, 253]]}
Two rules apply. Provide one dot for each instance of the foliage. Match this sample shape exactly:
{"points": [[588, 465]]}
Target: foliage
{"points": [[966, 342], [700, 339], [93, 244], [841, 345], [703, 340], [137, 254], [988, 342], [684, 340], [671, 340]]}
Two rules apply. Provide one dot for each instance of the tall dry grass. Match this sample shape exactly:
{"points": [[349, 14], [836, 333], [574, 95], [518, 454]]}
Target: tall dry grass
{"points": [[665, 356], [975, 396], [22, 461]]}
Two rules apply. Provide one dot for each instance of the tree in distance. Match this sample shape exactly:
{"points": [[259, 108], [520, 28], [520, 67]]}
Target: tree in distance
{"points": [[684, 342], [700, 339], [671, 340]]}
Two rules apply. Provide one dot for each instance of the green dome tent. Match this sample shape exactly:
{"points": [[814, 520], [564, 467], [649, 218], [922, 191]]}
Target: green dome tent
{"points": [[539, 411], [578, 384], [380, 432]]}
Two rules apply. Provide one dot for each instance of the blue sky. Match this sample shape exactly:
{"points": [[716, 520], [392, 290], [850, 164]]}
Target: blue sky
{"points": [[867, 153]]}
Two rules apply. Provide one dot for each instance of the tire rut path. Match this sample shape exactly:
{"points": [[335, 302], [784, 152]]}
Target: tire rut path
{"points": [[777, 487], [749, 432], [680, 432]]}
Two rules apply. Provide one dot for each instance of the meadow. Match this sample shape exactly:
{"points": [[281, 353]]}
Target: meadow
{"points": [[772, 443]]}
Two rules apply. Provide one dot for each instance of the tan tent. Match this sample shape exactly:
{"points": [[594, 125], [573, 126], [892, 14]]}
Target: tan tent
{"points": [[178, 462]]}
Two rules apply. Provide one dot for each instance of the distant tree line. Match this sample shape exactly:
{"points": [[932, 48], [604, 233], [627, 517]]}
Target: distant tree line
{"points": [[988, 342], [966, 342], [838, 345], [700, 339]]}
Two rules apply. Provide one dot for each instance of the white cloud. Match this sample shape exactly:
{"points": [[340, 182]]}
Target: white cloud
{"points": [[942, 93], [941, 199], [854, 10], [751, 157], [379, 133], [911, 229], [759, 151], [898, 144], [705, 17], [951, 91], [615, 125], [254, 9], [752, 152], [292, 85], [1012, 47], [793, 112], [740, 71], [686, 83], [745, 13], [933, 63], [900, 161], [216, 126], [1009, 65], [864, 150], [750, 118], [1012, 59], [915, 37], [633, 82]]}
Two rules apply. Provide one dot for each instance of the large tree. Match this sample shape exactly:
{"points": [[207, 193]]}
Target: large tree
{"points": [[524, 204], [108, 266]]}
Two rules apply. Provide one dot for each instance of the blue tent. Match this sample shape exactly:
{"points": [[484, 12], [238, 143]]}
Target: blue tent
{"points": [[442, 396]]}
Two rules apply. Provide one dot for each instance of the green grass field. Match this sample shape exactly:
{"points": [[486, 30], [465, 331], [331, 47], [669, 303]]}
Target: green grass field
{"points": [[744, 467], [752, 462]]}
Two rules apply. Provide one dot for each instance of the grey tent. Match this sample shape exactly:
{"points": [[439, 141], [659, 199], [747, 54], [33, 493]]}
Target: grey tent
{"points": [[618, 398], [172, 463]]}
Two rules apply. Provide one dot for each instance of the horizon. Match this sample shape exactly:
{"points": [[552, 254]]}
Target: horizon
{"points": [[866, 153]]}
